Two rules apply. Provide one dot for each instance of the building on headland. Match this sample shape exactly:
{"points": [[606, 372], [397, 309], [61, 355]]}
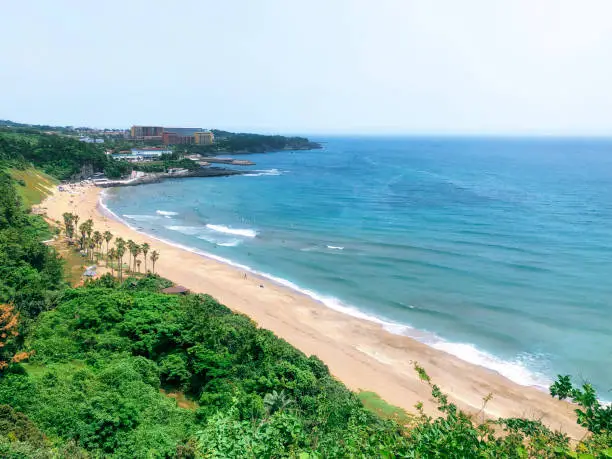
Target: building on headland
{"points": [[204, 138], [174, 138], [90, 140], [142, 132], [142, 154], [172, 135]]}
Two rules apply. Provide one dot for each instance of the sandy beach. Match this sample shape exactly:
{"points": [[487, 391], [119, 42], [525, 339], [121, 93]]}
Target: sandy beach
{"points": [[359, 353]]}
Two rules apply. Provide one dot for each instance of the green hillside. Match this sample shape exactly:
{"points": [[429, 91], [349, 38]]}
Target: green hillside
{"points": [[33, 185]]}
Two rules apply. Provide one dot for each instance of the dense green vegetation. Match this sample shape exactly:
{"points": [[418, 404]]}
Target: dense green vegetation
{"points": [[117, 369], [59, 156], [165, 164], [30, 274], [230, 142]]}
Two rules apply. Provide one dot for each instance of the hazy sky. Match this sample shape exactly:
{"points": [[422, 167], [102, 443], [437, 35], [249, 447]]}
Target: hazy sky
{"points": [[399, 66]]}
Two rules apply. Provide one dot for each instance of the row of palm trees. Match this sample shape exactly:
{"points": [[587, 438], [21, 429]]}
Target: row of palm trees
{"points": [[91, 243]]}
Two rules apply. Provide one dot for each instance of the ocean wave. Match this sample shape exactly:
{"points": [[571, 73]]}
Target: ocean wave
{"points": [[166, 213], [188, 230], [233, 243], [220, 242], [517, 369], [259, 173], [335, 247], [203, 233], [142, 218], [234, 231]]}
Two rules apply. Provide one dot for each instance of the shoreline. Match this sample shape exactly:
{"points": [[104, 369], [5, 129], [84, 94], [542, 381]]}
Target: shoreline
{"points": [[359, 352], [155, 177], [475, 355]]}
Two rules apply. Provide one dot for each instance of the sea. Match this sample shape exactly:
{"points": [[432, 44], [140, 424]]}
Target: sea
{"points": [[495, 250]]}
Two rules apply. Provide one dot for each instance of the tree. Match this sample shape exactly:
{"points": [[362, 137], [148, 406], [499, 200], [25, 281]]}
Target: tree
{"points": [[85, 229], [108, 236], [276, 401], [134, 251], [597, 418], [145, 250], [138, 264], [120, 251], [91, 246], [69, 222], [130, 248], [97, 238], [9, 323], [75, 221], [111, 255], [89, 227], [154, 258]]}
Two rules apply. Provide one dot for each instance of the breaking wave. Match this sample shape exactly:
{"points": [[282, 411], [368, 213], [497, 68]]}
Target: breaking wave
{"points": [[233, 231]]}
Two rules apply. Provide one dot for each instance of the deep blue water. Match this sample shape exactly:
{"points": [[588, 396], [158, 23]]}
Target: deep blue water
{"points": [[496, 250]]}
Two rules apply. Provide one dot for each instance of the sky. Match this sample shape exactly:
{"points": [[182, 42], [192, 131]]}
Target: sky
{"points": [[500, 67]]}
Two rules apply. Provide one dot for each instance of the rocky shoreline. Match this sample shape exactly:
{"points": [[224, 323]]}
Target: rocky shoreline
{"points": [[158, 177]]}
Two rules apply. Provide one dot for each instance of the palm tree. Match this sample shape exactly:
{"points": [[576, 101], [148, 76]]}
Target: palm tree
{"points": [[91, 244], [276, 401], [120, 250], [108, 236], [145, 250], [75, 220], [120, 253], [154, 258], [89, 227], [111, 255], [138, 264], [130, 247], [68, 224], [83, 231], [134, 250], [97, 238]]}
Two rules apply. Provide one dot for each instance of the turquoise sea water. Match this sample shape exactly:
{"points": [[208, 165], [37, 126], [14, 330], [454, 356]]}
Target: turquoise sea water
{"points": [[496, 250]]}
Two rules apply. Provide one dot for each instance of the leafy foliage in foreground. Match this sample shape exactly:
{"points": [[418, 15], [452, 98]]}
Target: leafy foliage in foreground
{"points": [[592, 415], [102, 356]]}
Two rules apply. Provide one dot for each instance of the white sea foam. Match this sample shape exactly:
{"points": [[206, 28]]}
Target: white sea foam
{"points": [[259, 173], [166, 213], [233, 231], [188, 230], [516, 369], [219, 242], [142, 218], [233, 243], [335, 247]]}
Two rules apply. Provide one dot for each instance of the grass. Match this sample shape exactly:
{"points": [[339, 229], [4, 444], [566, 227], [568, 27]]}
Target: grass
{"points": [[74, 262], [33, 369], [33, 185], [373, 402], [37, 370]]}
